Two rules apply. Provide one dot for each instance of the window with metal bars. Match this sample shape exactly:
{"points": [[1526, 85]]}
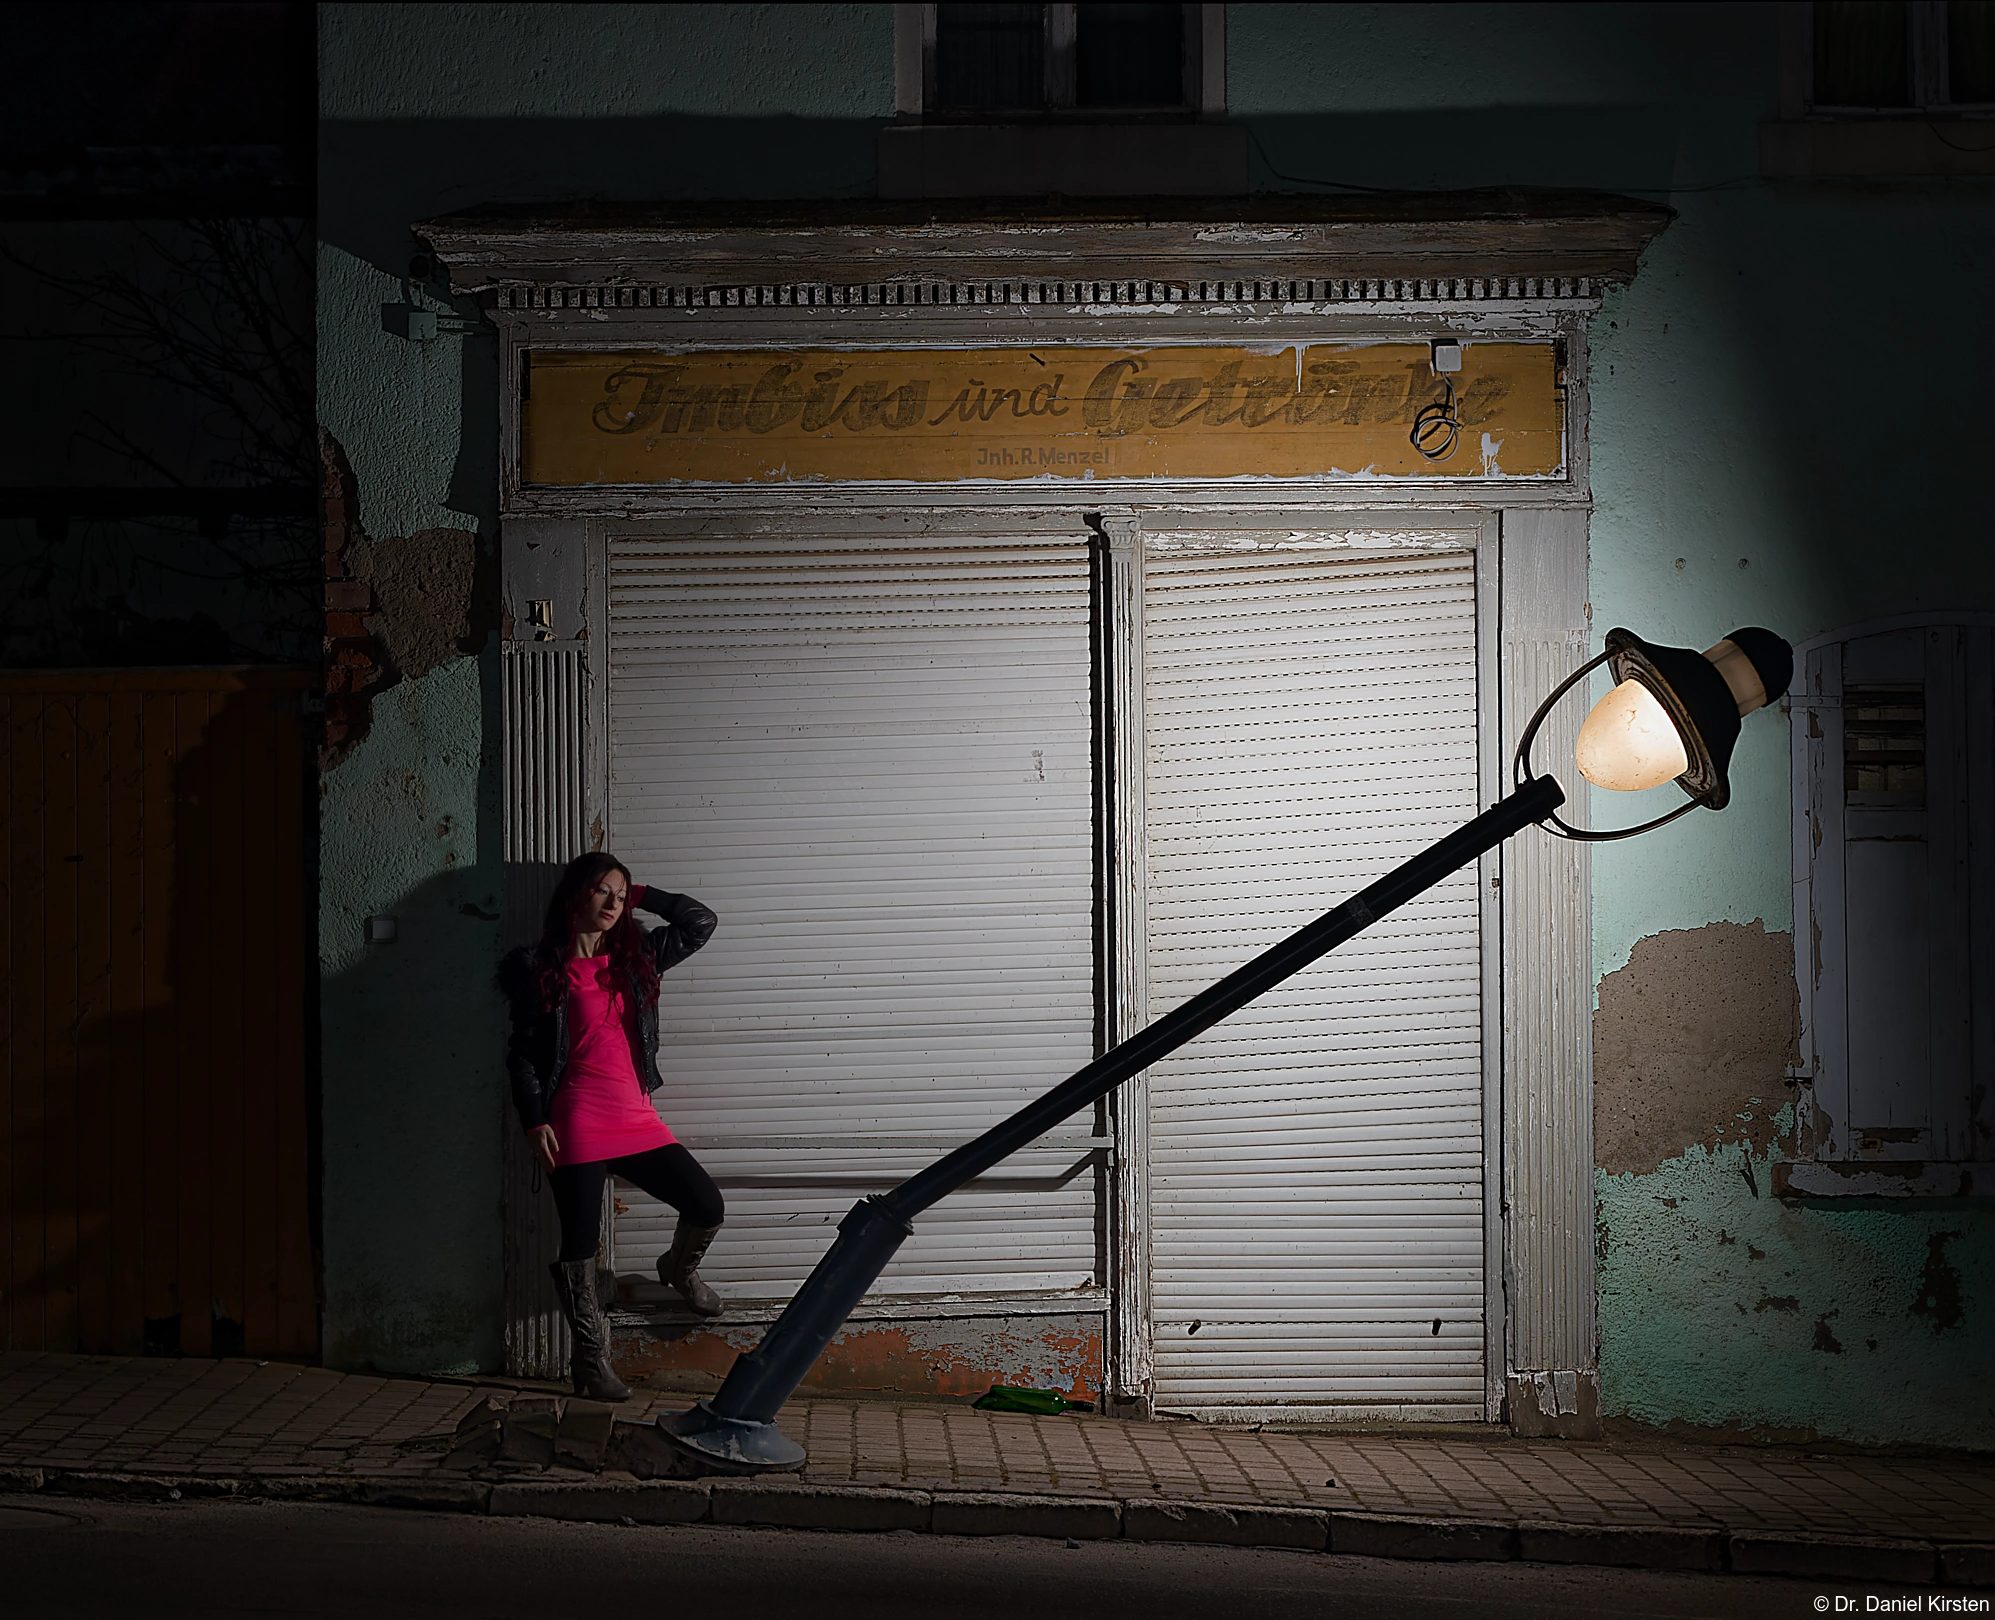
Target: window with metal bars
{"points": [[1884, 745]]}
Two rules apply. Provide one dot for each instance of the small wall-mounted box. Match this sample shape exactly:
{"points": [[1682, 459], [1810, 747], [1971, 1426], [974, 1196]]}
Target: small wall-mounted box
{"points": [[383, 930], [409, 321]]}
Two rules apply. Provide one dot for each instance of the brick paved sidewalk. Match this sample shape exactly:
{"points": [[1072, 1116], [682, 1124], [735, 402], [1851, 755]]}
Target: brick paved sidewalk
{"points": [[80, 1418]]}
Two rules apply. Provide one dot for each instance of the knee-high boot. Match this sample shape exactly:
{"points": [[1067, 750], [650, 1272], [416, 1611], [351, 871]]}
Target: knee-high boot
{"points": [[679, 1267], [589, 1366]]}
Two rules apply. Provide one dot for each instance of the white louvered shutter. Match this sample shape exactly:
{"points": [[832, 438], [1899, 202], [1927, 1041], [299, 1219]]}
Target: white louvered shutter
{"points": [[872, 758], [1316, 1167]]}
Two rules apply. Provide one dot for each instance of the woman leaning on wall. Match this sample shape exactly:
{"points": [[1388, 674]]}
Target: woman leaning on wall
{"points": [[583, 1061]]}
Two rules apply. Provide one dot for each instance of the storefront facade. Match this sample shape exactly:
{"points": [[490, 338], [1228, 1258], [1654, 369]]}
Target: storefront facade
{"points": [[1007, 650]]}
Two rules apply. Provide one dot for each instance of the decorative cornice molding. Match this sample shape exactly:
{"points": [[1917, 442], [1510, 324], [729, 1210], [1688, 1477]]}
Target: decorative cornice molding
{"points": [[1068, 294], [1222, 251]]}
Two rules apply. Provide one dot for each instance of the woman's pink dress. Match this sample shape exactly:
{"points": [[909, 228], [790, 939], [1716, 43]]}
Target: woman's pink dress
{"points": [[601, 1110]]}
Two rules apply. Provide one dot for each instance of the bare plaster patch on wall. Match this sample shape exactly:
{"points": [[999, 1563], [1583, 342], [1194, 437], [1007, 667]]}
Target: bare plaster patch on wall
{"points": [[1691, 1044], [395, 609], [434, 597]]}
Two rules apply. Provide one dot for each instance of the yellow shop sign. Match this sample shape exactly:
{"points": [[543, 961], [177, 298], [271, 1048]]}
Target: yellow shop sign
{"points": [[942, 415]]}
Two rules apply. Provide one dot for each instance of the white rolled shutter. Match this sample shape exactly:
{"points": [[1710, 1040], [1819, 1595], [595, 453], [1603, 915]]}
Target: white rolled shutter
{"points": [[872, 757], [1316, 1160]]}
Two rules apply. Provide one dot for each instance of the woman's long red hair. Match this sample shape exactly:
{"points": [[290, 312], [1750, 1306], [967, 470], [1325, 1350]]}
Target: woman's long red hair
{"points": [[568, 911]]}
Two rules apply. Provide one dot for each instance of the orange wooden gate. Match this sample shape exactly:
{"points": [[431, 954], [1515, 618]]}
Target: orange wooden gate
{"points": [[153, 1159]]}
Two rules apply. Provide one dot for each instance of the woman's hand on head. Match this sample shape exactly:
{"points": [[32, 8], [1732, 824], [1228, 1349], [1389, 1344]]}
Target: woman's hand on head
{"points": [[545, 1143]]}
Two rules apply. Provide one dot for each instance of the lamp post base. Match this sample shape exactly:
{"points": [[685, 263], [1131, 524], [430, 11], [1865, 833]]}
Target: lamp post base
{"points": [[713, 1444]]}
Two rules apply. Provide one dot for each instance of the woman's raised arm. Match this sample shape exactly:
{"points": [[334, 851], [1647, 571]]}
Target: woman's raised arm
{"points": [[688, 924]]}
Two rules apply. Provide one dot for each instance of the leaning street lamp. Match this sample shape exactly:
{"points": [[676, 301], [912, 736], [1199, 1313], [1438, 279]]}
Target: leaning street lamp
{"points": [[1673, 715]]}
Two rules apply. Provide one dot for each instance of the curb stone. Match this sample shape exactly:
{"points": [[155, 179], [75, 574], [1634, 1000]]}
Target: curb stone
{"points": [[657, 1501], [1002, 1513], [788, 1502], [797, 1506], [306, 1488], [1967, 1565], [1382, 1536], [1632, 1547], [433, 1495], [1230, 1526], [1857, 1559], [141, 1487]]}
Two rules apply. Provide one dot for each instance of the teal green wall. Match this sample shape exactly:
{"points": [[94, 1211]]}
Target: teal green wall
{"points": [[425, 109], [1723, 1308], [1778, 410]]}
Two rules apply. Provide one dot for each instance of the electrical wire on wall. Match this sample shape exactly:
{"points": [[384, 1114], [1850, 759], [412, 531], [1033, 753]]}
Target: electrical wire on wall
{"points": [[1437, 425]]}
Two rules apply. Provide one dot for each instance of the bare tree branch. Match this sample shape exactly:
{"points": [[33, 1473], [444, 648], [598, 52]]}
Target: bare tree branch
{"points": [[219, 312]]}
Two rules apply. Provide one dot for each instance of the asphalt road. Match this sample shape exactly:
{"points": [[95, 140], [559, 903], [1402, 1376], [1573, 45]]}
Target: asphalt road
{"points": [[80, 1560]]}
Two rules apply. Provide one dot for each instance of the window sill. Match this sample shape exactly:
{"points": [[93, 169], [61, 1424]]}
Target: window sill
{"points": [[1877, 146], [1883, 1178]]}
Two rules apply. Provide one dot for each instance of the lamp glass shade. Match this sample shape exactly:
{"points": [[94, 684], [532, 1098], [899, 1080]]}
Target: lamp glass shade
{"points": [[1629, 742]]}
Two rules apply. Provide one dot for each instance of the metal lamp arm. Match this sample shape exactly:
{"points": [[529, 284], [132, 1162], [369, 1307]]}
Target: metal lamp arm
{"points": [[736, 1427]]}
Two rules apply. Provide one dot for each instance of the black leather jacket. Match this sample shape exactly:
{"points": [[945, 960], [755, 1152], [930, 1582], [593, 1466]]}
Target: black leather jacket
{"points": [[538, 1051]]}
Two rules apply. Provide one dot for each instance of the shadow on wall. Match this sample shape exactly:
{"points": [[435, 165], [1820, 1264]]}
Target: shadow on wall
{"points": [[411, 1029], [1612, 147], [1726, 1312], [415, 1081], [376, 178]]}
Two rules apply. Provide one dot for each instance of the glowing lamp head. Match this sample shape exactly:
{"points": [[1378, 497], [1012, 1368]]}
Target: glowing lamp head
{"points": [[1675, 713], [1629, 743]]}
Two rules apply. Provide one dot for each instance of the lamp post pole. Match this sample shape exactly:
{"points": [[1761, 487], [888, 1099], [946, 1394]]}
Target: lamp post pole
{"points": [[735, 1430]]}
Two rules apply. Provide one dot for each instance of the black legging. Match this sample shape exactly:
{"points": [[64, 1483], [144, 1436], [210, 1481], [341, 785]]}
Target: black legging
{"points": [[669, 1173]]}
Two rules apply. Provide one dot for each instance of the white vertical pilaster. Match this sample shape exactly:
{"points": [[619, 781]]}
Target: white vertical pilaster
{"points": [[1125, 893], [1553, 1372], [546, 814]]}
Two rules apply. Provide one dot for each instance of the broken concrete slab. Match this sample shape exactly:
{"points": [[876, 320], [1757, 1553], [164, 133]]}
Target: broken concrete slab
{"points": [[641, 1450], [491, 1408], [583, 1435], [529, 1429], [480, 1434]]}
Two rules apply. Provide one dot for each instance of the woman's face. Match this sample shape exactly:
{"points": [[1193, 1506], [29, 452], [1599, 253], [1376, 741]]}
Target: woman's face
{"points": [[605, 903]]}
